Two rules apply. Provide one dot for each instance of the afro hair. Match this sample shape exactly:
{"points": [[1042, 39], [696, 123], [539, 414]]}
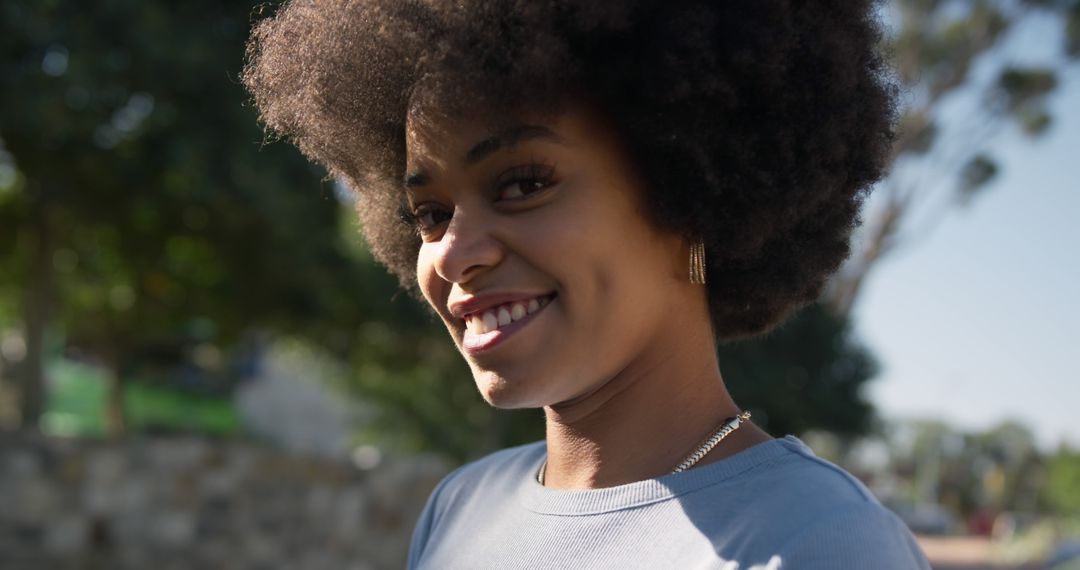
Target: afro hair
{"points": [[760, 125]]}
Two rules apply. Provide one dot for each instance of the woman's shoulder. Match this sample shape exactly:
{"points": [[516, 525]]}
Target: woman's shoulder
{"points": [[806, 473], [797, 489], [808, 509]]}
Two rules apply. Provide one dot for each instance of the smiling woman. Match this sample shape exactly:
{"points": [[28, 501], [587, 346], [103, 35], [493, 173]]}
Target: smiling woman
{"points": [[591, 196], [549, 218]]}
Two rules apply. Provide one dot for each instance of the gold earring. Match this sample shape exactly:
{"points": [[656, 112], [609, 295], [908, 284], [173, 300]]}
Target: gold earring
{"points": [[697, 263]]}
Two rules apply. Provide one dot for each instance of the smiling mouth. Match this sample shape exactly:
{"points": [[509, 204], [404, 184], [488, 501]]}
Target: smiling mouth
{"points": [[487, 329], [495, 318]]}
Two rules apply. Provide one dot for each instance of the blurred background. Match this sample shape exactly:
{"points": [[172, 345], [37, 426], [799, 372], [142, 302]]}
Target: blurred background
{"points": [[202, 367]]}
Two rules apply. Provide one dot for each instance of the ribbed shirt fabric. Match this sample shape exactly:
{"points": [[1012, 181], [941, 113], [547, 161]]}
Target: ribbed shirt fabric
{"points": [[775, 505]]}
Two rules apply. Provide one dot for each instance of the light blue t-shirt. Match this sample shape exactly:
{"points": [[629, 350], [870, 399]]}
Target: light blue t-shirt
{"points": [[775, 505]]}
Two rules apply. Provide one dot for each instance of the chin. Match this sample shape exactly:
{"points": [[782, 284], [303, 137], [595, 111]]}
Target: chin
{"points": [[504, 393]]}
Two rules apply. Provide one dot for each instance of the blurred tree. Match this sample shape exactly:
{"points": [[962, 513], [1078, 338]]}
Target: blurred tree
{"points": [[998, 469], [934, 45], [809, 373], [1062, 490], [139, 218], [937, 46], [433, 405], [806, 374], [1011, 447]]}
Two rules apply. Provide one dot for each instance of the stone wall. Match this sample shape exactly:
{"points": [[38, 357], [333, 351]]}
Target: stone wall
{"points": [[184, 502]]}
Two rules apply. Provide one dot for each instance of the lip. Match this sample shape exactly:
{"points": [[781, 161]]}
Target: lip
{"points": [[477, 344]]}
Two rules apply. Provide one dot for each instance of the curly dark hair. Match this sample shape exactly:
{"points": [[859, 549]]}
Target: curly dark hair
{"points": [[759, 125]]}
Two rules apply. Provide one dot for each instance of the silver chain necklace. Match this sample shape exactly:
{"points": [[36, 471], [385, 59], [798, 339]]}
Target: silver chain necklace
{"points": [[726, 427]]}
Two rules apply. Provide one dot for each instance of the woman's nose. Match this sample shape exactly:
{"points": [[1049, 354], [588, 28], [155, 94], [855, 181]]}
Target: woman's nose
{"points": [[466, 249]]}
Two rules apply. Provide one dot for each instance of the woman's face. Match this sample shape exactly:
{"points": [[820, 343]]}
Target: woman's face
{"points": [[538, 256]]}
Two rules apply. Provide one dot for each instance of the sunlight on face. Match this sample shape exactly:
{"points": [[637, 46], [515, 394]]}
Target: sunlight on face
{"points": [[537, 253]]}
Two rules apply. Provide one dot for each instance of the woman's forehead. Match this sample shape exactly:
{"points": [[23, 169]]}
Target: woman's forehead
{"points": [[433, 114], [470, 138]]}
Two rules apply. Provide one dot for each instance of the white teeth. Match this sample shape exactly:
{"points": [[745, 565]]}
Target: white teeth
{"points": [[492, 319], [490, 322]]}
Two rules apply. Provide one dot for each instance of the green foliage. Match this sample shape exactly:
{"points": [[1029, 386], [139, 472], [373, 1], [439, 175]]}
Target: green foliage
{"points": [[934, 46], [77, 401], [164, 409], [936, 42], [998, 469], [1062, 491], [979, 171], [142, 161], [432, 403], [1072, 30], [807, 374], [1023, 92], [1022, 85], [140, 185]]}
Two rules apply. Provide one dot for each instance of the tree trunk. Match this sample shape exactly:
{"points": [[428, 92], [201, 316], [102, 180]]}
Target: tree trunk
{"points": [[36, 308], [115, 416]]}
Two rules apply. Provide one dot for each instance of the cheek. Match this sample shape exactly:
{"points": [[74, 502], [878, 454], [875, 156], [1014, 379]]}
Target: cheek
{"points": [[432, 286]]}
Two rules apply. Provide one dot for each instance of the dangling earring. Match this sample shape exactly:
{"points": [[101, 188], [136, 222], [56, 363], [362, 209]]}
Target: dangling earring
{"points": [[697, 263]]}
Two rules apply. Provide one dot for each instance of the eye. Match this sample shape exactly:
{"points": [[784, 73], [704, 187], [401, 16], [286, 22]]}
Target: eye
{"points": [[522, 181], [428, 216]]}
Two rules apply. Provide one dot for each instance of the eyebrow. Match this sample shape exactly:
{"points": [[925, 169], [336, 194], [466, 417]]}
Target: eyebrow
{"points": [[481, 150]]}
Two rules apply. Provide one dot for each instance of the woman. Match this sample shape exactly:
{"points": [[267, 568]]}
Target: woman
{"points": [[591, 196]]}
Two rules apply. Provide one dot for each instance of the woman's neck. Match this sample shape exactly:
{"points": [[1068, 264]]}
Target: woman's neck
{"points": [[645, 420]]}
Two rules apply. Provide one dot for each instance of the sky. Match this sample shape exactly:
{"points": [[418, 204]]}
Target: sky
{"points": [[975, 321]]}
